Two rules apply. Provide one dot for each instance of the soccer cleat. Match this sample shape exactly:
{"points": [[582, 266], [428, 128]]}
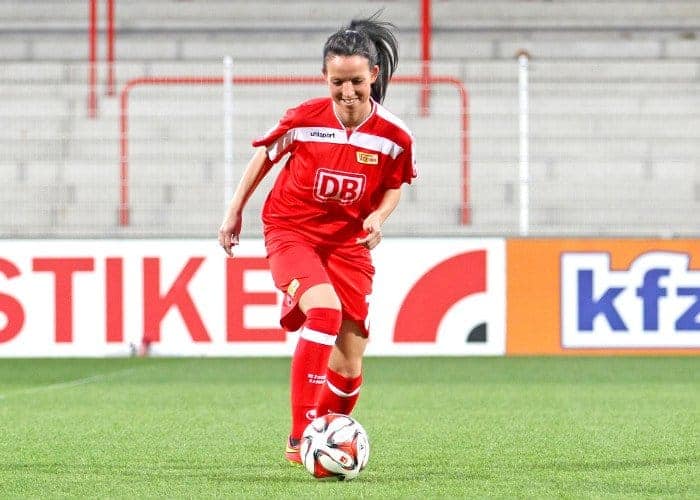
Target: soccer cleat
{"points": [[291, 453]]}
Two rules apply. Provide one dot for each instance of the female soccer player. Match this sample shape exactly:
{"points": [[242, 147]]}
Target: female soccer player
{"points": [[349, 157]]}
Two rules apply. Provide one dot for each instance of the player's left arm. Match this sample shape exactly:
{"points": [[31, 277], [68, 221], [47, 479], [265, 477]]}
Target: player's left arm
{"points": [[373, 222]]}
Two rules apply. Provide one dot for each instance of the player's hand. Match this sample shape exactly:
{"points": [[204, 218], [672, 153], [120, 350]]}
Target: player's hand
{"points": [[373, 227], [229, 233]]}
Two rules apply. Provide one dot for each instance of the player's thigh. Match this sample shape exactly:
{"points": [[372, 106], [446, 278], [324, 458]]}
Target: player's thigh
{"points": [[352, 280], [296, 268], [298, 272]]}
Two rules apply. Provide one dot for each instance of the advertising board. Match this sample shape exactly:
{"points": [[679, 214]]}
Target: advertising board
{"points": [[186, 298], [608, 296]]}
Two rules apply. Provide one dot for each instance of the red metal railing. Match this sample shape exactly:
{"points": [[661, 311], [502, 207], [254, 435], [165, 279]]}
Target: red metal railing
{"points": [[425, 80], [426, 56], [92, 59], [465, 210], [110, 47], [92, 102]]}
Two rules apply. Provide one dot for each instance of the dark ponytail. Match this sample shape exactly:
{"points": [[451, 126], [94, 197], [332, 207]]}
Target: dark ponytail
{"points": [[368, 38]]}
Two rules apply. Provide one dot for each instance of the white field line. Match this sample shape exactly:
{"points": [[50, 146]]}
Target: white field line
{"points": [[68, 383]]}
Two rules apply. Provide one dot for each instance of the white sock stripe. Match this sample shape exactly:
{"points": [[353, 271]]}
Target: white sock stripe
{"points": [[317, 337], [340, 393]]}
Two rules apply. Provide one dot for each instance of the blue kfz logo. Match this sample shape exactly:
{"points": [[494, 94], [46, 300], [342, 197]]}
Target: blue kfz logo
{"points": [[654, 303]]}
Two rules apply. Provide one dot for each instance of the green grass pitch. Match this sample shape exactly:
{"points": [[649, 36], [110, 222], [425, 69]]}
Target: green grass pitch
{"points": [[439, 427]]}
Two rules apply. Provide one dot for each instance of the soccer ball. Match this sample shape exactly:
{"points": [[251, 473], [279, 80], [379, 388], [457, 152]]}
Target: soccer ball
{"points": [[334, 446]]}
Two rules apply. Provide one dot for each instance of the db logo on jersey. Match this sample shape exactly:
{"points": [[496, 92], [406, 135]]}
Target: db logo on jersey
{"points": [[341, 187]]}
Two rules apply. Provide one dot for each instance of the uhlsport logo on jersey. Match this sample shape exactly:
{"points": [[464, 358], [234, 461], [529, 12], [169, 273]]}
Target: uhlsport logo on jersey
{"points": [[653, 304], [341, 187], [322, 134]]}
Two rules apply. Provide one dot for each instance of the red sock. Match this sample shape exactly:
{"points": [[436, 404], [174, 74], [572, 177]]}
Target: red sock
{"points": [[309, 364], [339, 394]]}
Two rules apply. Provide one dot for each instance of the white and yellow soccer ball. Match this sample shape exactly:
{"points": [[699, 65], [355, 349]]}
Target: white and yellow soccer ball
{"points": [[334, 446]]}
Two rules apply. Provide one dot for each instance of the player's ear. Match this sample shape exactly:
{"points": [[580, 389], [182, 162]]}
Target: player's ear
{"points": [[374, 72]]}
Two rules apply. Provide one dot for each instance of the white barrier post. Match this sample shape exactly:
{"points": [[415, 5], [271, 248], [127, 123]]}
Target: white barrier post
{"points": [[228, 129], [524, 127]]}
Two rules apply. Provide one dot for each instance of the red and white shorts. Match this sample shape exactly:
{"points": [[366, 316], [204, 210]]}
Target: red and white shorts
{"points": [[297, 265]]}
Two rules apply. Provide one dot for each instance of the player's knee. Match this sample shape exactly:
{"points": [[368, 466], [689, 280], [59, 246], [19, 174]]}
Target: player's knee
{"points": [[347, 367], [324, 319], [321, 295]]}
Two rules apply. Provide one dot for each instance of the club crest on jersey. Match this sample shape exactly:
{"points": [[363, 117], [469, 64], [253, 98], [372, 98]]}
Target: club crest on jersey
{"points": [[367, 158], [340, 187]]}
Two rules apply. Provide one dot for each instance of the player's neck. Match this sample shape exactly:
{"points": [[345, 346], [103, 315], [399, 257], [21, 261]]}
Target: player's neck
{"points": [[353, 120]]}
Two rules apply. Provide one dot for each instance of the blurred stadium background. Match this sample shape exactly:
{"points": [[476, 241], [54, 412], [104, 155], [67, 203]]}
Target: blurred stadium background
{"points": [[614, 112]]}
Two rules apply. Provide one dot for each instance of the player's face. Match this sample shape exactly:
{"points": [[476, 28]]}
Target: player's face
{"points": [[349, 80]]}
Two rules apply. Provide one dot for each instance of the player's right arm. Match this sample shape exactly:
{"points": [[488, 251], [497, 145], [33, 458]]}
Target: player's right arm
{"points": [[230, 230]]}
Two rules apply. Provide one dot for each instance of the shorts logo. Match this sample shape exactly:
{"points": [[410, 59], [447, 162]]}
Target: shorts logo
{"points": [[367, 158], [341, 187], [293, 287]]}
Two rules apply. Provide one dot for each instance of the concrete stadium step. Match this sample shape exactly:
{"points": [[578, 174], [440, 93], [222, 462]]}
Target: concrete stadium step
{"points": [[602, 216], [540, 14], [632, 195], [322, 15], [575, 170], [30, 173]]}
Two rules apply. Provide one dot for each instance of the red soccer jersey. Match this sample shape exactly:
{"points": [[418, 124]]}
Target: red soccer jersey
{"points": [[332, 179]]}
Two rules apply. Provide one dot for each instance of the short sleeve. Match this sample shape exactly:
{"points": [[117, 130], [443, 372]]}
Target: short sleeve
{"points": [[279, 139], [403, 170]]}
